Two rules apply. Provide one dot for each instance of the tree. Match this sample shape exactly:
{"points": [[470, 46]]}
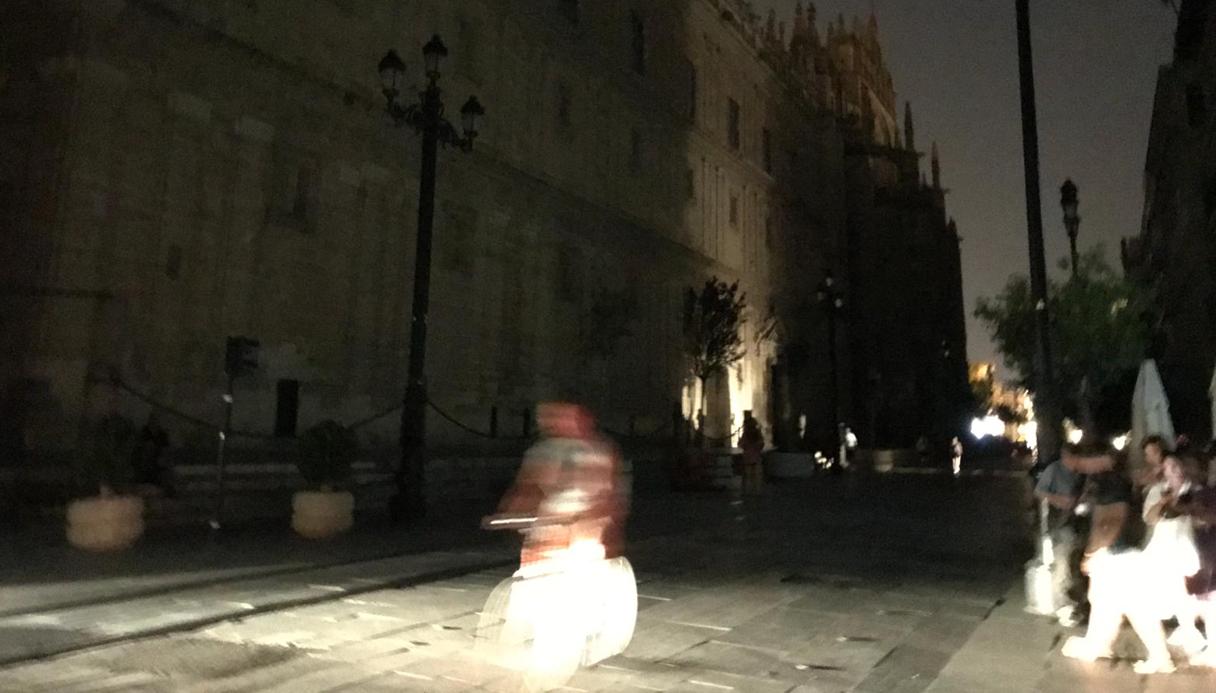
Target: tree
{"points": [[1098, 331], [713, 318]]}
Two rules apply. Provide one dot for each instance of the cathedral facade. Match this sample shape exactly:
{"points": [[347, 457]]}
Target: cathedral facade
{"points": [[193, 170]]}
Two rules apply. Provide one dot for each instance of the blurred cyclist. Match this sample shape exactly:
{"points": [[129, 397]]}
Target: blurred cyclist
{"points": [[569, 482]]}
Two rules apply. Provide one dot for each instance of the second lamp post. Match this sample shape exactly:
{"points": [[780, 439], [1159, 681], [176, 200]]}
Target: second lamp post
{"points": [[426, 117], [833, 301], [1072, 221]]}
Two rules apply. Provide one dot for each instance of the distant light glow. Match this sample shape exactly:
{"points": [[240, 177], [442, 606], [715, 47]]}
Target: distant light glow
{"points": [[1029, 432], [851, 439], [990, 425], [1075, 436], [1120, 442]]}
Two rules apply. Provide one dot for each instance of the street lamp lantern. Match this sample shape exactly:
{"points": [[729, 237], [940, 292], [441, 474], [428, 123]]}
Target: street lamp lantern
{"points": [[426, 117], [1072, 221], [433, 53], [391, 70], [469, 114]]}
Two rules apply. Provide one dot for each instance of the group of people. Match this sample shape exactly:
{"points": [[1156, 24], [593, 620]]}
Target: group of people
{"points": [[1140, 546]]}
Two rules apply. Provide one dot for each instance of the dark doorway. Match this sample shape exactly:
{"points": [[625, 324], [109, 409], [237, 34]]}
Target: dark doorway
{"points": [[287, 408]]}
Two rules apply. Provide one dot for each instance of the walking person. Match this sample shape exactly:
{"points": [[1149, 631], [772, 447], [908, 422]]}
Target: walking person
{"points": [[1117, 570], [752, 442], [1200, 505], [1059, 488], [956, 456], [1171, 549]]}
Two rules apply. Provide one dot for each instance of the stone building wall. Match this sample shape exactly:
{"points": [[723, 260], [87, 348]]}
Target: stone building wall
{"points": [[194, 169], [225, 168], [1175, 255]]}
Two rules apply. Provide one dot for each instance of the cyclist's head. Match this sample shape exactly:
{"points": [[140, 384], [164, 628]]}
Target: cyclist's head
{"points": [[564, 420]]}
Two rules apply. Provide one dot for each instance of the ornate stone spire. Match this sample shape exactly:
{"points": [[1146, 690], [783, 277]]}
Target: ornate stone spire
{"points": [[770, 27], [936, 166], [909, 129], [799, 20]]}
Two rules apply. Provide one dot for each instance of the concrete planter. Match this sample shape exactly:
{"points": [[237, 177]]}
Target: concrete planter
{"points": [[788, 465], [322, 514], [105, 523]]}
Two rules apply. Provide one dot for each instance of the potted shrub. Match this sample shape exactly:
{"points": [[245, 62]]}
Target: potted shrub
{"points": [[110, 520], [325, 508]]}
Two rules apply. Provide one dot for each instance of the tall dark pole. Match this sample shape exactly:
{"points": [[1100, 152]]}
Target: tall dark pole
{"points": [[410, 502], [426, 117], [1072, 250], [1072, 221], [833, 302], [1046, 412]]}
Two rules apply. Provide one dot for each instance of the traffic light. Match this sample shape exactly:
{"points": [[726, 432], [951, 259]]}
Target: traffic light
{"points": [[241, 356]]}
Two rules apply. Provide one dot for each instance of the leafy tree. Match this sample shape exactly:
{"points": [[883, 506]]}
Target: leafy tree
{"points": [[1097, 330], [713, 318]]}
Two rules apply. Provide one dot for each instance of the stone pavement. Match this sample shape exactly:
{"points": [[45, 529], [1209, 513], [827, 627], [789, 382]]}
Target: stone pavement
{"points": [[906, 583]]}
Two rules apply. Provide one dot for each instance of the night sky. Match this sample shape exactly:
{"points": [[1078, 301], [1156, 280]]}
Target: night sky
{"points": [[1095, 70]]}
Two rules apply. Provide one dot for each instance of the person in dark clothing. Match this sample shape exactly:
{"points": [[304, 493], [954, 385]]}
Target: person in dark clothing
{"points": [[1117, 570], [1200, 505], [1059, 488]]}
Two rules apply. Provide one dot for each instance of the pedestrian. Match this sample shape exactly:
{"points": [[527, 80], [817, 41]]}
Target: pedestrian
{"points": [[1155, 450], [1171, 550], [1117, 570], [752, 442], [1200, 505], [956, 456], [1059, 488]]}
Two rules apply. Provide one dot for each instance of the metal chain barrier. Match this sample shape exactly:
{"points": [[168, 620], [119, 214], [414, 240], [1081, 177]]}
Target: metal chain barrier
{"points": [[118, 382], [471, 429]]}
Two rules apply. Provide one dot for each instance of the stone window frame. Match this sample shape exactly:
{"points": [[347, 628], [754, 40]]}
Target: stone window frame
{"points": [[733, 210], [694, 93], [570, 10], [1196, 105], [734, 124], [293, 188], [637, 42], [565, 103], [468, 55], [766, 149], [637, 151]]}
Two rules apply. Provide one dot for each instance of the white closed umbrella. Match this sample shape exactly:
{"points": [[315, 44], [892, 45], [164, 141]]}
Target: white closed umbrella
{"points": [[1150, 410], [1212, 396]]}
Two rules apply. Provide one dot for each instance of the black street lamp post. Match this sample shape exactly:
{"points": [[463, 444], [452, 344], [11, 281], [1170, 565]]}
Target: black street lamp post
{"points": [[833, 301], [427, 118], [1072, 221], [1046, 412]]}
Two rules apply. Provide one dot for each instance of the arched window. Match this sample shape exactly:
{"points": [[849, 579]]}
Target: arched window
{"points": [[637, 32]]}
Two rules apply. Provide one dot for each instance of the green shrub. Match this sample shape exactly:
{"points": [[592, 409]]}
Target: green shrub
{"points": [[327, 451]]}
